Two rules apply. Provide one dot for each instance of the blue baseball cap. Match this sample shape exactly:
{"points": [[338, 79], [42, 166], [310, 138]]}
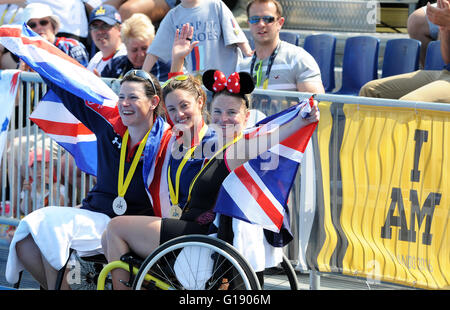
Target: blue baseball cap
{"points": [[106, 13]]}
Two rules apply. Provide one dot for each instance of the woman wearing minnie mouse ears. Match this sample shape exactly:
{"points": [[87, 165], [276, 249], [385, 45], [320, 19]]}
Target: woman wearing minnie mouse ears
{"points": [[229, 107], [143, 234]]}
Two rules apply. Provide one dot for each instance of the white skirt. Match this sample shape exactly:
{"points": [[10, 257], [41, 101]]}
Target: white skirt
{"points": [[56, 230]]}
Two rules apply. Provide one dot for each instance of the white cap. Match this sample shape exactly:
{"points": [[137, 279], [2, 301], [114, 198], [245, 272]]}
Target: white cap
{"points": [[41, 10]]}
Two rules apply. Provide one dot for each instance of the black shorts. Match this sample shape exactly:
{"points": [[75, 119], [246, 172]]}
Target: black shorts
{"points": [[172, 228]]}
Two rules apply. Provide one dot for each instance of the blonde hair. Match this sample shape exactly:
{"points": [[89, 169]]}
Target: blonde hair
{"points": [[138, 26]]}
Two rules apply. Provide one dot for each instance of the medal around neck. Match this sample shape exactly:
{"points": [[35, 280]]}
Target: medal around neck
{"points": [[175, 212], [119, 205]]}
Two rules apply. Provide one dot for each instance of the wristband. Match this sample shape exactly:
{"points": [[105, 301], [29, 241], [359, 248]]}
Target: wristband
{"points": [[173, 74]]}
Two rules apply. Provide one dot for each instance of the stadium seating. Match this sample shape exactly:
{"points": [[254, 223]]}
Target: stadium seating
{"points": [[433, 59], [249, 38], [360, 63], [323, 47], [400, 56], [289, 37]]}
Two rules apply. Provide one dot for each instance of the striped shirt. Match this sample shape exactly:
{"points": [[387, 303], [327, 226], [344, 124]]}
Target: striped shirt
{"points": [[100, 63], [74, 49], [292, 65]]}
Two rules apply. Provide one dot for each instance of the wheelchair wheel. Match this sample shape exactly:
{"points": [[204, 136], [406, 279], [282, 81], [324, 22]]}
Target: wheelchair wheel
{"points": [[196, 262], [83, 274], [278, 277]]}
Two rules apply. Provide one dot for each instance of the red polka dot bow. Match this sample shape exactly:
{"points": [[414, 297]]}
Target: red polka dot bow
{"points": [[232, 83]]}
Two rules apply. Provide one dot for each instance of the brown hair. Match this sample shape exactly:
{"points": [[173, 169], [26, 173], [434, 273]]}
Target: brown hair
{"points": [[190, 84], [148, 87], [277, 5]]}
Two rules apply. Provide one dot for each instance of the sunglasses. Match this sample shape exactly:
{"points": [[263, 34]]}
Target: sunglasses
{"points": [[266, 19], [142, 74], [43, 23], [100, 26]]}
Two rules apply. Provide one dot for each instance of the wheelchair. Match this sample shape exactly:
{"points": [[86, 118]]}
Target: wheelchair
{"points": [[192, 262]]}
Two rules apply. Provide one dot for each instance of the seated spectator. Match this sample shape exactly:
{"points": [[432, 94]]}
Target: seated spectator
{"points": [[42, 194], [154, 9], [421, 85], [40, 19], [420, 28], [10, 14], [293, 68], [104, 27], [137, 33]]}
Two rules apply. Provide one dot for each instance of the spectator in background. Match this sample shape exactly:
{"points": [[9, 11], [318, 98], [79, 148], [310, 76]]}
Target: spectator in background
{"points": [[104, 26], [420, 28], [421, 85], [440, 15], [42, 195], [11, 14], [154, 9], [137, 33], [217, 37], [42, 20], [72, 15], [277, 64]]}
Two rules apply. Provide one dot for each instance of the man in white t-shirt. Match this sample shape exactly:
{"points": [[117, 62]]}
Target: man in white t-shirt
{"points": [[104, 26], [277, 64]]}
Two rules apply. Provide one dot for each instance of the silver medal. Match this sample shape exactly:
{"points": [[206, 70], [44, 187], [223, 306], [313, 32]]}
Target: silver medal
{"points": [[119, 205], [175, 212]]}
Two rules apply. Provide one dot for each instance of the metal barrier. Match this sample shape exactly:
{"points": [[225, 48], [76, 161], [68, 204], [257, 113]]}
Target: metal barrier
{"points": [[321, 214], [379, 209], [16, 169]]}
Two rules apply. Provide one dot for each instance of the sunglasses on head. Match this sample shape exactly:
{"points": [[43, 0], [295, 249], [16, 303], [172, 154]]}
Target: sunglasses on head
{"points": [[142, 74], [43, 23], [180, 77], [266, 19]]}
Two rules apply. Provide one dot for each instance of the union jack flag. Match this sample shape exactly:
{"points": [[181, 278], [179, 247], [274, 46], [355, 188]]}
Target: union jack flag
{"points": [[8, 89], [59, 68], [257, 192]]}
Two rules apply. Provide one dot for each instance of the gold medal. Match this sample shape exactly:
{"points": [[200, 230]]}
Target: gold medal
{"points": [[174, 189]]}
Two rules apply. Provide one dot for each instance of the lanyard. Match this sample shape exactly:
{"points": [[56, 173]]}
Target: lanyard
{"points": [[4, 13], [121, 185], [209, 161], [175, 192], [259, 70]]}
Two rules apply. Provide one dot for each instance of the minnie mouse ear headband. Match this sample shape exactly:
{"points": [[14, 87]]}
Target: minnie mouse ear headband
{"points": [[239, 83]]}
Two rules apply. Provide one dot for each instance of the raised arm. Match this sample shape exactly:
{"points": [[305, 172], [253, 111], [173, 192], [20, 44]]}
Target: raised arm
{"points": [[149, 62], [182, 47], [246, 149]]}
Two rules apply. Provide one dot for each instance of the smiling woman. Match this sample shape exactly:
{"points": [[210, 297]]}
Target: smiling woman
{"points": [[137, 103], [123, 134], [184, 100]]}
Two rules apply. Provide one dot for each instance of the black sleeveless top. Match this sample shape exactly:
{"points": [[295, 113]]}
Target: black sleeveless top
{"points": [[205, 191]]}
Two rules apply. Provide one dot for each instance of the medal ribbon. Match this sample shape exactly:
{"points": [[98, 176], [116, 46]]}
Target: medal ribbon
{"points": [[219, 151], [175, 192], [121, 185]]}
